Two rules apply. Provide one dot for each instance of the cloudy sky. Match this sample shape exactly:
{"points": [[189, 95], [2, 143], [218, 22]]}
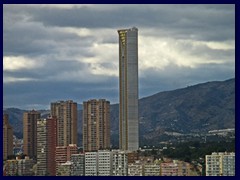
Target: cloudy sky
{"points": [[53, 52]]}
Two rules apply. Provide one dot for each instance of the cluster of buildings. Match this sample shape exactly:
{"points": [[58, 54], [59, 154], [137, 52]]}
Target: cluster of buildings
{"points": [[51, 141], [220, 164], [50, 144]]}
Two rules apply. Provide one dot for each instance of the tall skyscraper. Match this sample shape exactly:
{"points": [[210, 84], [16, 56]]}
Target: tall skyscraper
{"points": [[46, 146], [7, 137], [42, 147], [66, 113], [128, 84], [96, 125], [30, 133]]}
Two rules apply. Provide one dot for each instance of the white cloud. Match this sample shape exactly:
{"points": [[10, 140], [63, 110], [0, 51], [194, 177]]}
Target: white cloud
{"points": [[16, 79], [158, 52], [14, 63], [226, 45]]}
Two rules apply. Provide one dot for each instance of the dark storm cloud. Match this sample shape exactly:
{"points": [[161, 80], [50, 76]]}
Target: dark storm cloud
{"points": [[202, 22], [67, 62], [31, 38], [39, 94]]}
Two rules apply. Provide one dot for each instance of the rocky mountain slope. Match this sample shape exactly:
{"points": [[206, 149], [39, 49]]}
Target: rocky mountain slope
{"points": [[193, 109]]}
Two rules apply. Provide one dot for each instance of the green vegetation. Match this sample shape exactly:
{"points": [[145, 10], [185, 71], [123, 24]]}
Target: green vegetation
{"points": [[194, 151]]}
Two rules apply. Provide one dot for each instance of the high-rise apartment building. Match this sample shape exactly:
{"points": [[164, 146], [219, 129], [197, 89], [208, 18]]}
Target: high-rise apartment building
{"points": [[96, 125], [7, 137], [42, 147], [128, 84], [220, 164], [46, 146], [30, 133], [51, 144], [66, 113]]}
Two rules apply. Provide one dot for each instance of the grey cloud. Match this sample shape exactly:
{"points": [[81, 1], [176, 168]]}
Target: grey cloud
{"points": [[202, 22], [24, 93], [35, 32], [173, 77]]}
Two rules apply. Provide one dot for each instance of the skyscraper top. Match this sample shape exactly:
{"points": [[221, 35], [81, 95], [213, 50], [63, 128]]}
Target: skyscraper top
{"points": [[125, 30]]}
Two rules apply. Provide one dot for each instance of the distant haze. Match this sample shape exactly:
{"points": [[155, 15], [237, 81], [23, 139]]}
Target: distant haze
{"points": [[61, 52]]}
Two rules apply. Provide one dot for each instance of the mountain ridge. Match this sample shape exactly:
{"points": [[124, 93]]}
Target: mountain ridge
{"points": [[193, 109]]}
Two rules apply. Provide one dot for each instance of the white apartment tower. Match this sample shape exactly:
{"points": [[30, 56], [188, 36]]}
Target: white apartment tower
{"points": [[128, 89]]}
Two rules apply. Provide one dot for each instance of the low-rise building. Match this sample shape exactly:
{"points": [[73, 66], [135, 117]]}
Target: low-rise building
{"points": [[91, 164], [11, 168], [152, 169], [119, 163], [169, 169], [104, 163], [64, 169], [25, 166], [78, 164], [135, 169]]}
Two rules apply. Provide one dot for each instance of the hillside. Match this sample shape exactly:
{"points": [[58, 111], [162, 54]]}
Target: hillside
{"points": [[197, 108], [193, 109]]}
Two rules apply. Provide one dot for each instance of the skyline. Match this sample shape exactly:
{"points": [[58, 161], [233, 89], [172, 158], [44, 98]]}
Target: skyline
{"points": [[49, 50]]}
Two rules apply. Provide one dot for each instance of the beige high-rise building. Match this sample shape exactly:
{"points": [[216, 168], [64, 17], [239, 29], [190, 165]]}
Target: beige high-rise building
{"points": [[66, 113], [30, 133], [96, 125], [128, 89], [46, 146], [7, 137]]}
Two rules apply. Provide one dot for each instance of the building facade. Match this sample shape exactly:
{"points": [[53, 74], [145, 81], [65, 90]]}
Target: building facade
{"points": [[30, 133], [25, 166], [128, 92], [220, 164], [169, 169], [66, 114], [42, 147], [65, 169], [63, 153], [46, 146], [7, 137], [228, 164], [78, 164], [151, 169], [96, 125], [104, 163], [51, 144], [11, 168], [119, 163], [135, 168], [91, 168]]}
